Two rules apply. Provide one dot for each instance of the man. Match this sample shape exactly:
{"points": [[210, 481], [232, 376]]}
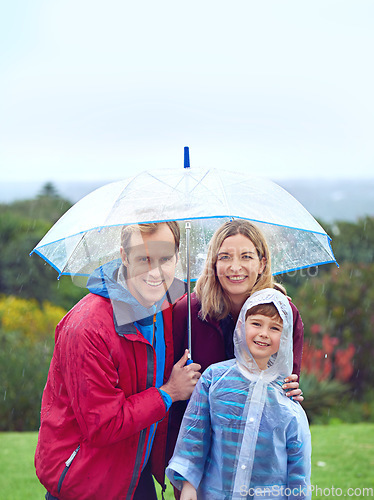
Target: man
{"points": [[111, 381]]}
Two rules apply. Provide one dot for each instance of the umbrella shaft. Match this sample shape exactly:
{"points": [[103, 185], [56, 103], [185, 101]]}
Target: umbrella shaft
{"points": [[188, 228]]}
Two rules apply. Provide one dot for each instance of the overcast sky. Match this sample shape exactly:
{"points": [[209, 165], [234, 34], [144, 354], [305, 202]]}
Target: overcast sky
{"points": [[93, 90]]}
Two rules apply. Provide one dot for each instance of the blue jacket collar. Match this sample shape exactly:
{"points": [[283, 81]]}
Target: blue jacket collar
{"points": [[104, 282]]}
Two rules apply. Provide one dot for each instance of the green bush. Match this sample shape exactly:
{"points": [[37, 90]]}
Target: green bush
{"points": [[320, 395], [24, 366], [332, 402]]}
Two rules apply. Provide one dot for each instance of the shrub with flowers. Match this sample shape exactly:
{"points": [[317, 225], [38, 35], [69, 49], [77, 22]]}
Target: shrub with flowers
{"points": [[340, 305], [33, 321], [26, 346], [323, 357], [337, 370]]}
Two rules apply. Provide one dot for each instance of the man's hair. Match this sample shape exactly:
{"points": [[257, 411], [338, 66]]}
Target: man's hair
{"points": [[269, 310], [148, 228]]}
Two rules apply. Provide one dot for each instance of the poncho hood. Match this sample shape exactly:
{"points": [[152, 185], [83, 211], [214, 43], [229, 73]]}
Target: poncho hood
{"points": [[280, 364]]}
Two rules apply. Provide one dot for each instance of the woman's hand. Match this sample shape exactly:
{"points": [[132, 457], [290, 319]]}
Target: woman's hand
{"points": [[291, 385], [188, 492]]}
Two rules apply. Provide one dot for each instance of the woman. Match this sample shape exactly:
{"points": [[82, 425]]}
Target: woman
{"points": [[238, 264]]}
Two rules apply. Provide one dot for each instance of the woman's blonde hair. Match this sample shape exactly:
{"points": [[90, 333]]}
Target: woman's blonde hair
{"points": [[215, 303]]}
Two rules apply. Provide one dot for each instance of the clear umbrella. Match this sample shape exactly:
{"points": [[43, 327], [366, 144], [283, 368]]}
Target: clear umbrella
{"points": [[88, 235]]}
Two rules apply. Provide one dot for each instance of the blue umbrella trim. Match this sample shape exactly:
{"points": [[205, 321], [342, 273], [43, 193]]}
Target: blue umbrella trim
{"points": [[98, 228]]}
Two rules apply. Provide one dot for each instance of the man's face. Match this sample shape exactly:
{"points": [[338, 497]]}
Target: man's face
{"points": [[150, 264]]}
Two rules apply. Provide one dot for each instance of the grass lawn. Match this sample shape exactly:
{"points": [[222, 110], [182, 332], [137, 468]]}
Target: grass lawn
{"points": [[343, 457]]}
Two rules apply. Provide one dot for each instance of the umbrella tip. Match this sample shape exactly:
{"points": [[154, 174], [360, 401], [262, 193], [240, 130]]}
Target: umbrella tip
{"points": [[186, 157]]}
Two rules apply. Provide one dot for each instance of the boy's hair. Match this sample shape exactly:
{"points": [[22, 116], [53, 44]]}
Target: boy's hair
{"points": [[148, 228], [269, 310]]}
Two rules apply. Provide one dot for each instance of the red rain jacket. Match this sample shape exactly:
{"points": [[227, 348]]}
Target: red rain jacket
{"points": [[98, 404]]}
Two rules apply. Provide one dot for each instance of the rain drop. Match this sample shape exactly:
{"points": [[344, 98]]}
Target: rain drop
{"points": [[325, 355], [4, 395]]}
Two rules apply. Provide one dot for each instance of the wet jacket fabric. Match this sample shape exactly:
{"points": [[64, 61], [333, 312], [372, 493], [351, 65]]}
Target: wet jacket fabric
{"points": [[241, 437], [212, 341], [100, 401]]}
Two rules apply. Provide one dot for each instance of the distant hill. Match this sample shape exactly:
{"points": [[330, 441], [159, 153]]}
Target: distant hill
{"points": [[327, 200], [330, 200]]}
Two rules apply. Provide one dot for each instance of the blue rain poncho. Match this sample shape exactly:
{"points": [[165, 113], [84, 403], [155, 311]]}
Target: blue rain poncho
{"points": [[241, 436]]}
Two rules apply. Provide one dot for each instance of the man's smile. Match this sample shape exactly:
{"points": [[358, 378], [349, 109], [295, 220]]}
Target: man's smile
{"points": [[154, 283]]}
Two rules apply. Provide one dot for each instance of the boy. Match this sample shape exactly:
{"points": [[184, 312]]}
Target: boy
{"points": [[241, 437]]}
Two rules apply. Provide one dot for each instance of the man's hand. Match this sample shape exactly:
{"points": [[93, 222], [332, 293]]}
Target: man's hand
{"points": [[292, 388], [188, 492], [183, 379]]}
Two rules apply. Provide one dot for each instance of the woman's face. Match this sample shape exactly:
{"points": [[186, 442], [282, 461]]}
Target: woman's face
{"points": [[238, 266]]}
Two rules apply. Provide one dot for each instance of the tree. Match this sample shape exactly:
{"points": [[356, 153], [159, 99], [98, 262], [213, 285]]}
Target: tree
{"points": [[22, 226], [353, 242], [47, 207], [48, 190]]}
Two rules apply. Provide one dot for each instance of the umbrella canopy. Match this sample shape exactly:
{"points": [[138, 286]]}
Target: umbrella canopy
{"points": [[88, 235]]}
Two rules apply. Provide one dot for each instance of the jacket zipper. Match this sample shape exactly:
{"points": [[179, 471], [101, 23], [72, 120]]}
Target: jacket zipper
{"points": [[67, 465], [72, 456]]}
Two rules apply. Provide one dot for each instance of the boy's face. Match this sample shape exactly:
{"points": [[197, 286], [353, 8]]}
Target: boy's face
{"points": [[263, 337]]}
